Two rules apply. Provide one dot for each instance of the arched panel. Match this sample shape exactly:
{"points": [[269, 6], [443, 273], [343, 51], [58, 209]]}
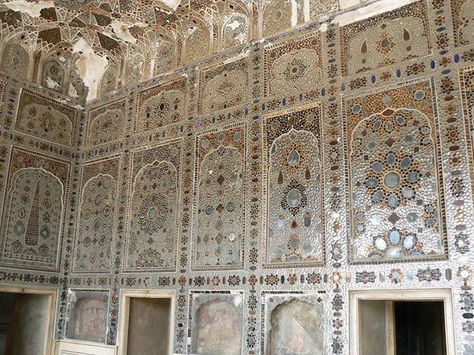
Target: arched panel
{"points": [[134, 69], [53, 76], [96, 222], [153, 225], [294, 200], [165, 59], [33, 219], [276, 17], [396, 206], [220, 209], [15, 61], [109, 80], [198, 42]]}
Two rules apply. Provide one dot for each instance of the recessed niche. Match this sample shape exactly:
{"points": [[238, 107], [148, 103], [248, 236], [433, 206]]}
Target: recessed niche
{"points": [[25, 323], [147, 323], [87, 316]]}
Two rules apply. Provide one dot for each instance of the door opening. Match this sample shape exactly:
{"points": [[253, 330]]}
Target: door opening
{"points": [[147, 323], [25, 323], [402, 323]]}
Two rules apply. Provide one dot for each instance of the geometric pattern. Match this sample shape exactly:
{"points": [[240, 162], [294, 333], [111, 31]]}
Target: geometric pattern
{"points": [[293, 66], [295, 228], [385, 39], [396, 209], [153, 226], [219, 207], [54, 122]]}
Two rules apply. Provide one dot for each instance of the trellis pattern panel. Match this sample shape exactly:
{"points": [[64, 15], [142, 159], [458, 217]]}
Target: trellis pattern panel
{"points": [[96, 223], [219, 213], [295, 224], [397, 206], [34, 210], [153, 209]]}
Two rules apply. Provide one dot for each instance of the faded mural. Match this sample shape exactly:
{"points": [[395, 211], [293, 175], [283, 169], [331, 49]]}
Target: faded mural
{"points": [[217, 323], [87, 315]]}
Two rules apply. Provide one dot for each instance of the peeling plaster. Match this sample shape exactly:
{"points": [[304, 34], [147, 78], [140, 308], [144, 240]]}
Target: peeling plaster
{"points": [[51, 84], [171, 3], [233, 25], [91, 67], [237, 57], [122, 31], [372, 9], [30, 8], [294, 13], [307, 11]]}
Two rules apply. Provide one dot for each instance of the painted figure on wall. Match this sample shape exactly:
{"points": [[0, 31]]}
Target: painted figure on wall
{"points": [[296, 330], [89, 318], [218, 329]]}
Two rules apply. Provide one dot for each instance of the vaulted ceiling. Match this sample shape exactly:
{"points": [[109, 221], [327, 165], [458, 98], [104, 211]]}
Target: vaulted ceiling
{"points": [[85, 48]]}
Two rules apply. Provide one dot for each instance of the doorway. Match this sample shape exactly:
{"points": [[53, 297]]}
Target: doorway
{"points": [[402, 322], [146, 324], [26, 321]]}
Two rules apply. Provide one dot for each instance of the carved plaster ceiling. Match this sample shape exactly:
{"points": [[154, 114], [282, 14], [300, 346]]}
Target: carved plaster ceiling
{"points": [[89, 36]]}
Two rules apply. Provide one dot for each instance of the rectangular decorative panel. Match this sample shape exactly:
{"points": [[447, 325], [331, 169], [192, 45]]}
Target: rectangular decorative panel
{"points": [[294, 322], [161, 106], [34, 208], [219, 209], [293, 66], [46, 118], [106, 123], [216, 322], [153, 211], [224, 85], [87, 315], [294, 180], [97, 211], [396, 205], [386, 39]]}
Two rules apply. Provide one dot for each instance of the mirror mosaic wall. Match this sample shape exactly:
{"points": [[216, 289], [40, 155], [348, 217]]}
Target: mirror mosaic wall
{"points": [[261, 166]]}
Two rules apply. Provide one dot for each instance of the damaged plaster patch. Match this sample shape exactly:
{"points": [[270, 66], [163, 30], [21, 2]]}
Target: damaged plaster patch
{"points": [[30, 8], [243, 54], [122, 31], [51, 84], [373, 9], [171, 3], [294, 13], [90, 66]]}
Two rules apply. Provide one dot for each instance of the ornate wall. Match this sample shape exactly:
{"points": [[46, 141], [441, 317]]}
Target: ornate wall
{"points": [[262, 183]]}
